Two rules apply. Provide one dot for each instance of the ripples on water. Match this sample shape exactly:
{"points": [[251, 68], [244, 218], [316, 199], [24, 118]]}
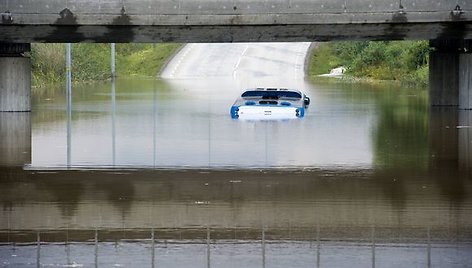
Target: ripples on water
{"points": [[369, 176]]}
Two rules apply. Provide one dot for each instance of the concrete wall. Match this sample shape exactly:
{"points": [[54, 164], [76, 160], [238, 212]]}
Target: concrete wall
{"points": [[15, 84]]}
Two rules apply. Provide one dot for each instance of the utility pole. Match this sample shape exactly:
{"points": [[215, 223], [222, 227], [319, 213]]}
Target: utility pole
{"points": [[69, 102], [113, 74]]}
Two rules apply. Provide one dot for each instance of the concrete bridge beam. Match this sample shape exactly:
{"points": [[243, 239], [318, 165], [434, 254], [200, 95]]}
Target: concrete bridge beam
{"points": [[450, 77], [127, 21], [15, 78]]}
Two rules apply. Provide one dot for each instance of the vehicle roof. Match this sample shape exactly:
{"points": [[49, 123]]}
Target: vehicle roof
{"points": [[272, 89]]}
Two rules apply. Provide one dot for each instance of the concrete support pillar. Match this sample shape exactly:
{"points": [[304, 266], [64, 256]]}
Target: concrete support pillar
{"points": [[15, 78], [443, 137], [451, 142], [465, 81], [15, 139], [443, 78], [450, 64], [465, 142]]}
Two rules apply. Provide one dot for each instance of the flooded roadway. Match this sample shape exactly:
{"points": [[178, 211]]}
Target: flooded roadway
{"points": [[155, 173]]}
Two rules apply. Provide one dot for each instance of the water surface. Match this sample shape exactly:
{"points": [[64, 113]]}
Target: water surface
{"points": [[156, 173]]}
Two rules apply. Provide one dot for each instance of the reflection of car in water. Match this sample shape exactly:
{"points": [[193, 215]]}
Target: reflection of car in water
{"points": [[270, 103]]}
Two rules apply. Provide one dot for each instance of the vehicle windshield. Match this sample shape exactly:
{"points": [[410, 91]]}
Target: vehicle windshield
{"points": [[271, 94]]}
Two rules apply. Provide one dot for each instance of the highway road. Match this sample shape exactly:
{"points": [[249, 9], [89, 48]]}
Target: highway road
{"points": [[279, 64]]}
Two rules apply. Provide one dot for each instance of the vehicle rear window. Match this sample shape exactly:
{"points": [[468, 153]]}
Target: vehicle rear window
{"points": [[271, 94]]}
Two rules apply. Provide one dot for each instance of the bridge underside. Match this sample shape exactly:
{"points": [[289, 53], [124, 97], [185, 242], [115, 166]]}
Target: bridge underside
{"points": [[234, 33], [26, 21]]}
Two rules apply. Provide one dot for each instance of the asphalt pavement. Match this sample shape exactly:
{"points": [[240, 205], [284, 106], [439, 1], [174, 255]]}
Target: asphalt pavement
{"points": [[267, 64]]}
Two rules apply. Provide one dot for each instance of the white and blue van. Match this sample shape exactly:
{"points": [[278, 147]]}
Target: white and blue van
{"points": [[270, 103]]}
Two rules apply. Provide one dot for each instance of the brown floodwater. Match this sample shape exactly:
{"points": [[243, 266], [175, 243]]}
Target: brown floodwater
{"points": [[153, 173]]}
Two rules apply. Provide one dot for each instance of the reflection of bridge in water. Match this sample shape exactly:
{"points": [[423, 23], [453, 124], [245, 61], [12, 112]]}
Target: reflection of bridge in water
{"points": [[246, 199], [153, 217]]}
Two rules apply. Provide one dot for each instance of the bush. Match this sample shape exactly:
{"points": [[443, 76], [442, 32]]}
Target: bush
{"points": [[91, 62], [48, 62], [323, 59], [143, 59], [404, 61]]}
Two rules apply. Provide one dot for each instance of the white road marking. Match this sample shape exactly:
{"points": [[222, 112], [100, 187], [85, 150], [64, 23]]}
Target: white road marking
{"points": [[235, 68]]}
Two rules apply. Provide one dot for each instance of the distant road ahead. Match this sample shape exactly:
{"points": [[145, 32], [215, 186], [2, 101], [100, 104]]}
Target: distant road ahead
{"points": [[242, 61]]}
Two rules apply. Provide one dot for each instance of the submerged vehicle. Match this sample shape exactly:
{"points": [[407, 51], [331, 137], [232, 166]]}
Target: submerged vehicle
{"points": [[270, 103]]}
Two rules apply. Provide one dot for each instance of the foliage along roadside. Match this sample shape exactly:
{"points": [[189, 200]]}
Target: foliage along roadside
{"points": [[91, 62], [402, 61]]}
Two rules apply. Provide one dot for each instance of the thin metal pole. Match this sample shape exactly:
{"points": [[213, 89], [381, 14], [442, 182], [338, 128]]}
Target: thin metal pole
{"points": [[209, 130], [208, 247], [154, 123], [113, 101], [266, 125], [113, 119], [68, 249], [113, 74], [373, 246], [96, 248], [429, 247], [38, 250], [318, 246], [153, 254], [263, 247], [69, 102]]}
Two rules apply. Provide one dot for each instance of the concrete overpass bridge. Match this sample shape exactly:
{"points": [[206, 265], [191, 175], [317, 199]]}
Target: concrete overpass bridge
{"points": [[232, 20], [447, 22]]}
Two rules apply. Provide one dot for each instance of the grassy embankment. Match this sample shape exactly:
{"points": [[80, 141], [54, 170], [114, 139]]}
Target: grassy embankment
{"points": [[91, 62], [402, 61]]}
